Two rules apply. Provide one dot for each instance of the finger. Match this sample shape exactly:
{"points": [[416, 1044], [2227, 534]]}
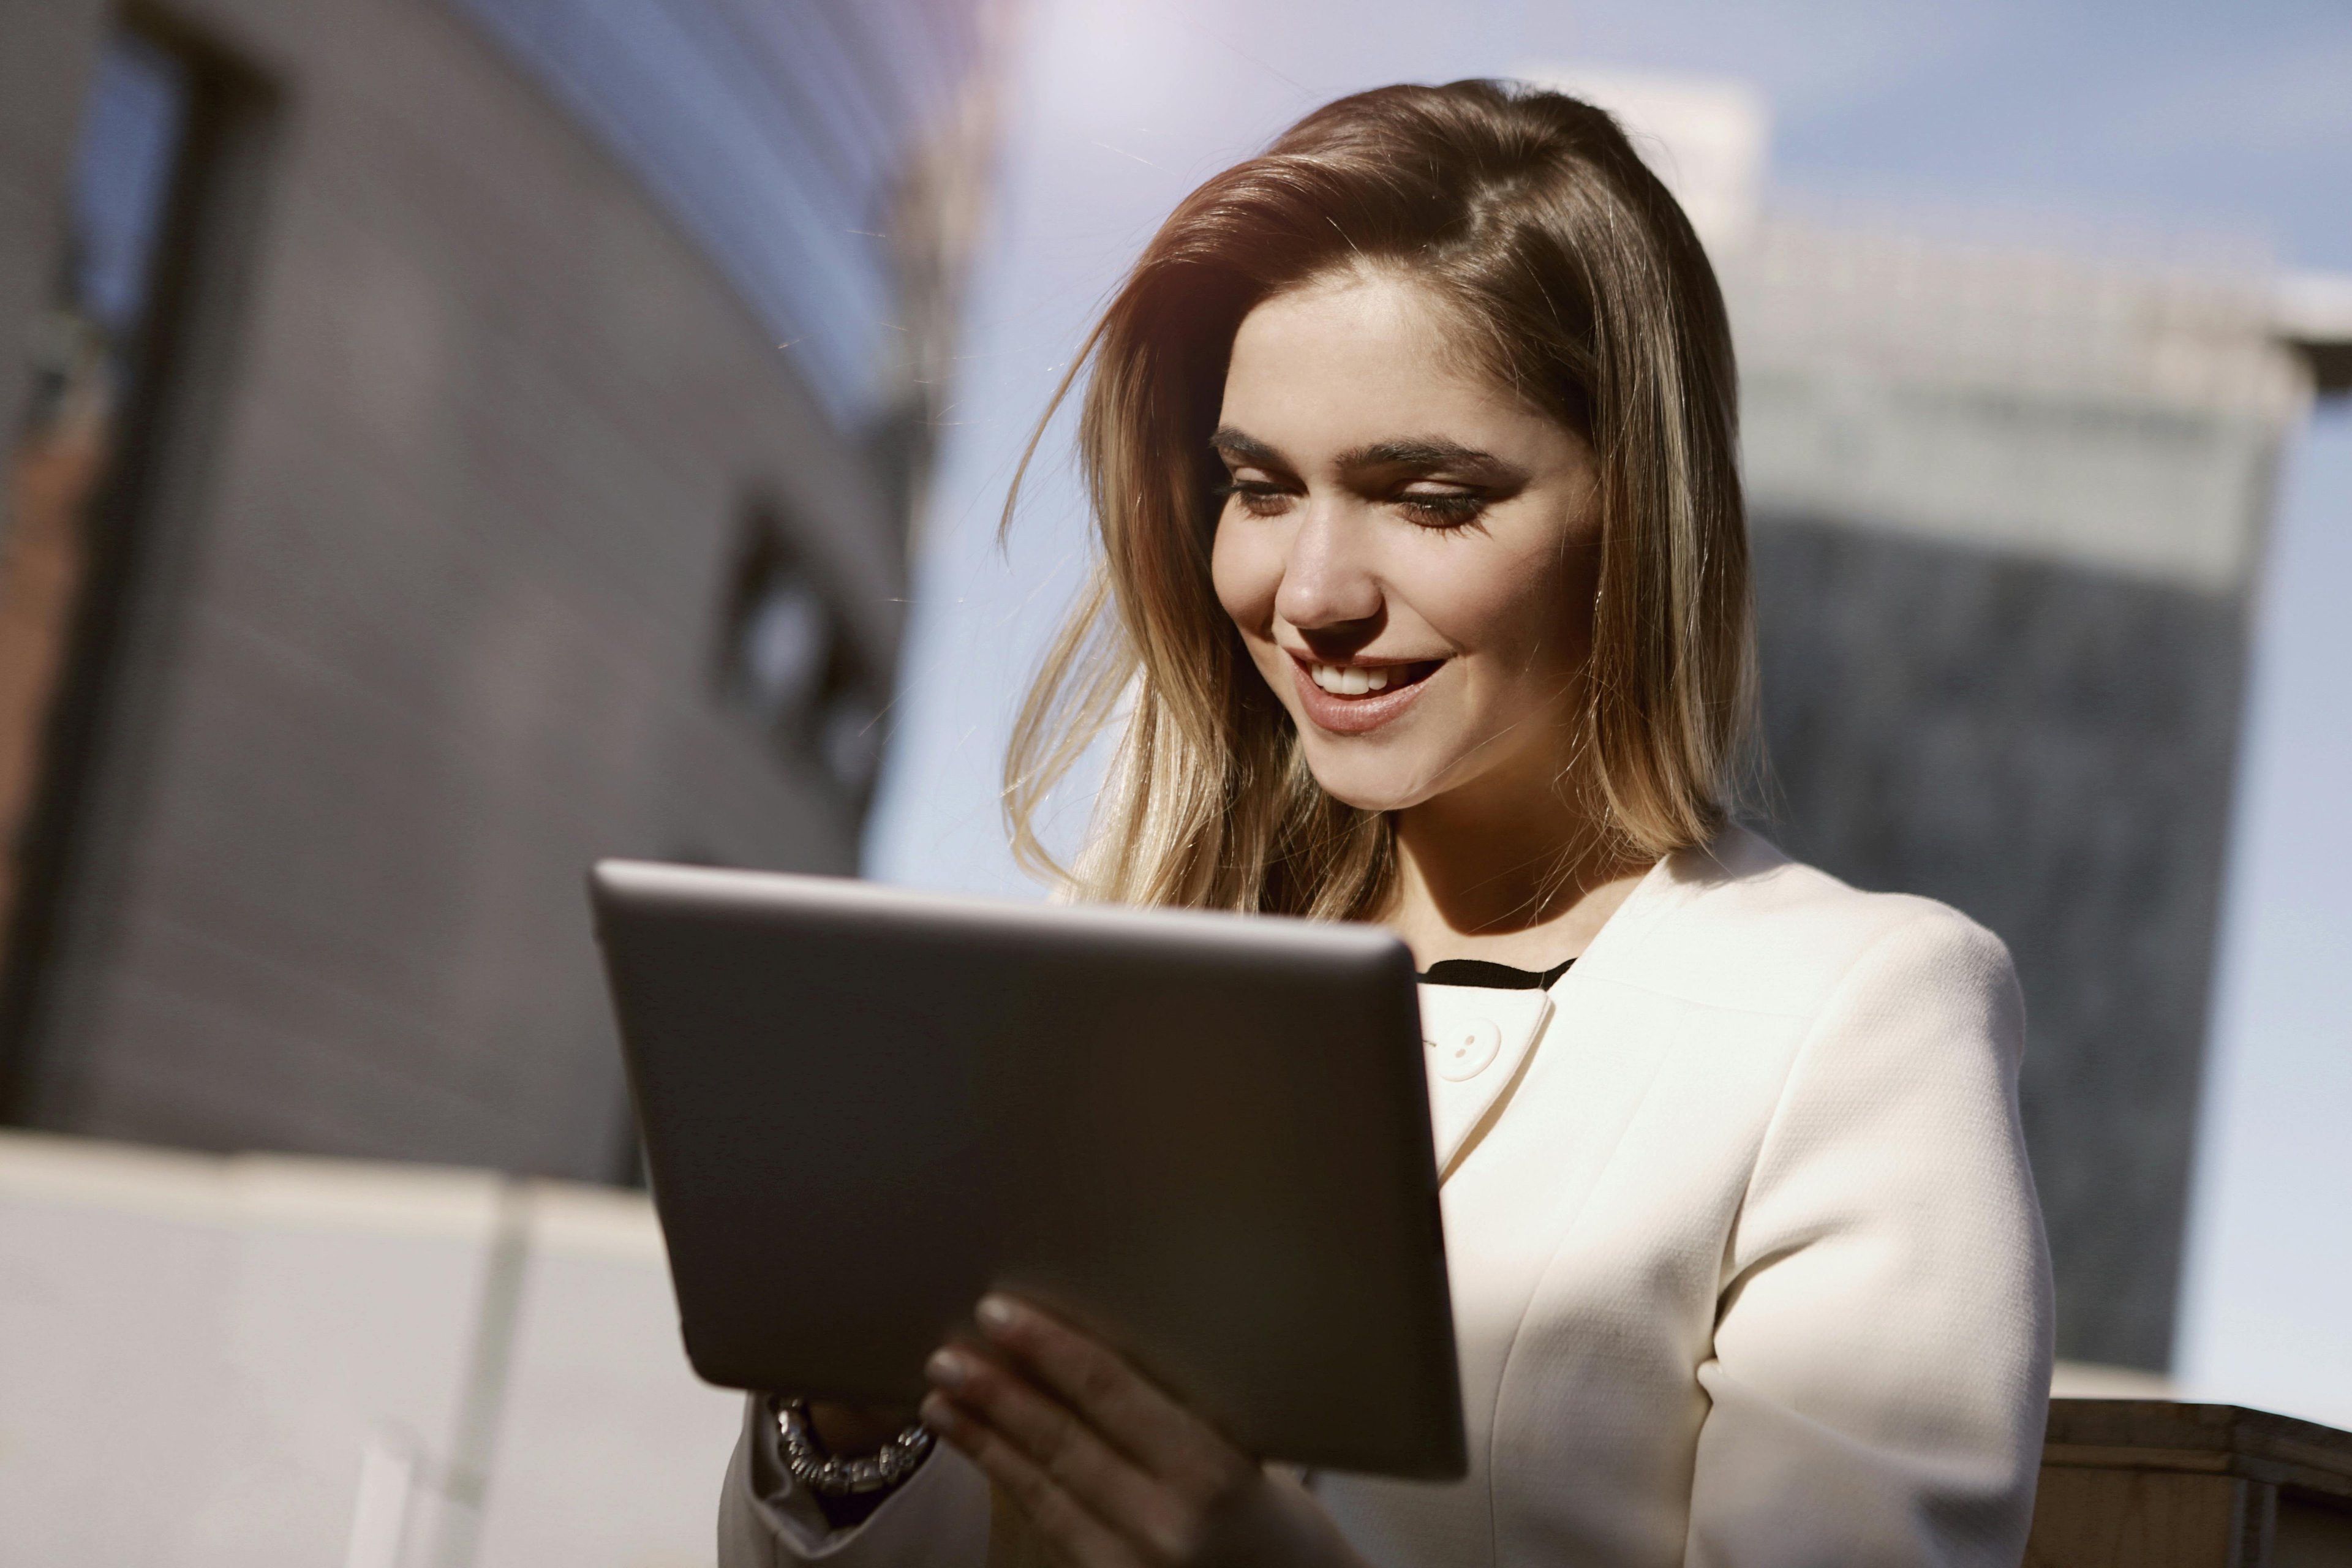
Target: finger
{"points": [[1074, 1458], [1159, 1434], [1066, 1528]]}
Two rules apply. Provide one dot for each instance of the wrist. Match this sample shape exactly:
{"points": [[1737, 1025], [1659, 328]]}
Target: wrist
{"points": [[857, 1428], [826, 1472]]}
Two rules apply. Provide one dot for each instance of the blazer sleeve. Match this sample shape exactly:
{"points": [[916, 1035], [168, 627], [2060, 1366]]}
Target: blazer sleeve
{"points": [[939, 1519], [1880, 1372]]}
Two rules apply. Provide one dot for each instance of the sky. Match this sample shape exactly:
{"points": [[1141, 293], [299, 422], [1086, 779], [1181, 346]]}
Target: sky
{"points": [[2267, 1302], [2202, 128], [2160, 116]]}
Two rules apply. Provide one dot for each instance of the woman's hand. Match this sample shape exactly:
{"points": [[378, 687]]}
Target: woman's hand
{"points": [[1109, 1471]]}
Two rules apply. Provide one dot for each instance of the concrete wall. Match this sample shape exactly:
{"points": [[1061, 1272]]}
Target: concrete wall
{"points": [[446, 502], [2051, 749], [263, 1361], [2005, 511]]}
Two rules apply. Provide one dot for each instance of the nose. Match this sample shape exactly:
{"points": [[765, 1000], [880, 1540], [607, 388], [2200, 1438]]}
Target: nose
{"points": [[1328, 580]]}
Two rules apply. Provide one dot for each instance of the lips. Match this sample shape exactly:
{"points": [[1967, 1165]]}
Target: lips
{"points": [[1359, 696]]}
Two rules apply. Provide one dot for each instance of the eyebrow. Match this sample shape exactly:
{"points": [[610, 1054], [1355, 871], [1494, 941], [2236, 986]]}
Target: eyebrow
{"points": [[1423, 452], [1244, 448], [1429, 452]]}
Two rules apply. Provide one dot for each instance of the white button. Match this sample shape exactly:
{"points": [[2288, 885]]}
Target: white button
{"points": [[1466, 1049]]}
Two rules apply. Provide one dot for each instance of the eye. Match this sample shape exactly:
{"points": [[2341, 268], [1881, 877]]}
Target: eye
{"points": [[1259, 497], [1442, 509]]}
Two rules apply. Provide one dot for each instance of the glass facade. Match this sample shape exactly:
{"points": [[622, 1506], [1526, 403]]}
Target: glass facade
{"points": [[776, 135]]}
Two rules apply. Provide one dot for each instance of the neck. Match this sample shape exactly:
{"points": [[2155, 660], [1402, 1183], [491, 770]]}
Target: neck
{"points": [[1512, 873]]}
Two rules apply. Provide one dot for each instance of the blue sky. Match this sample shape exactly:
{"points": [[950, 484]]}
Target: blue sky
{"points": [[2218, 124], [2161, 115], [2267, 1316]]}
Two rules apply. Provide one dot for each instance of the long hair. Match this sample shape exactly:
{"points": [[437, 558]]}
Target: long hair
{"points": [[1575, 279]]}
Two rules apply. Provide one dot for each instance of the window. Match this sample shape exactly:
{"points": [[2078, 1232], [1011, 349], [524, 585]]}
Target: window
{"points": [[788, 661], [157, 209], [88, 358]]}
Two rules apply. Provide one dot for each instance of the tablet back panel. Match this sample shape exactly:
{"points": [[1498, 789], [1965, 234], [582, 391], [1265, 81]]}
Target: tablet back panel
{"points": [[1204, 1138]]}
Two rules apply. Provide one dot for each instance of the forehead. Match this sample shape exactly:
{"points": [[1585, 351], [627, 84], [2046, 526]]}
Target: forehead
{"points": [[1360, 357]]}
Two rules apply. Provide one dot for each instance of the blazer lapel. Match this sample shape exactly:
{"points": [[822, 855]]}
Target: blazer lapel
{"points": [[1475, 1042]]}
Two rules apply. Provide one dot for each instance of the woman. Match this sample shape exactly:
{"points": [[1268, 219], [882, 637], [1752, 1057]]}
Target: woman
{"points": [[1423, 595]]}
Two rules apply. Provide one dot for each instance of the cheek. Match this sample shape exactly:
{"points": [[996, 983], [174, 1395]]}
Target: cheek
{"points": [[1531, 614], [1247, 572]]}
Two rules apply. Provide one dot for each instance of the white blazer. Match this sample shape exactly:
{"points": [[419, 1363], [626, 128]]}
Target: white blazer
{"points": [[1746, 1261]]}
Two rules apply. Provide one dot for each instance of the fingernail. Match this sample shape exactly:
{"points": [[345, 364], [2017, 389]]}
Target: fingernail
{"points": [[939, 1416], [947, 1369], [994, 1313]]}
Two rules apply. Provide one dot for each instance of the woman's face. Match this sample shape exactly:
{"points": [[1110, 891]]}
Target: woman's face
{"points": [[1408, 548]]}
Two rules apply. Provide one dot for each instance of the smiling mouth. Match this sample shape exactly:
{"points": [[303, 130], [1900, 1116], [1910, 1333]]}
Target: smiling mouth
{"points": [[1356, 680]]}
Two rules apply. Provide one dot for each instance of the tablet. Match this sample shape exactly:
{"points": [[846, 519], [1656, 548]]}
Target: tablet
{"points": [[1204, 1138]]}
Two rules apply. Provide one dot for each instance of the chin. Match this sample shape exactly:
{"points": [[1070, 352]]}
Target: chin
{"points": [[1380, 787]]}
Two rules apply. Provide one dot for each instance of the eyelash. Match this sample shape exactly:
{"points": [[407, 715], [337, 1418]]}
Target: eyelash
{"points": [[1438, 511], [1444, 511]]}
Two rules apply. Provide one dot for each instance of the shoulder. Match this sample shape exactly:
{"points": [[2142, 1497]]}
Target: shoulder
{"points": [[1741, 927]]}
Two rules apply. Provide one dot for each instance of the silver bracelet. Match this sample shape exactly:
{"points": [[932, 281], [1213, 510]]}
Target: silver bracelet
{"points": [[829, 1474]]}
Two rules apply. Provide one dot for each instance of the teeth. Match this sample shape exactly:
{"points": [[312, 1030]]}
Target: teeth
{"points": [[1347, 680]]}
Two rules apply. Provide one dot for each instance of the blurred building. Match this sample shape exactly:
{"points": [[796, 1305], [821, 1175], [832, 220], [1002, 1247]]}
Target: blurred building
{"points": [[449, 440], [2008, 495], [2008, 512]]}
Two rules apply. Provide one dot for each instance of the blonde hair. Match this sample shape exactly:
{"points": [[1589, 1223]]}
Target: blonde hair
{"points": [[1528, 217]]}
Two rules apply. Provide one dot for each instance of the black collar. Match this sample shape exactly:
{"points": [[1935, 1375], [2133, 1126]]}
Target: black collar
{"points": [[1492, 976]]}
